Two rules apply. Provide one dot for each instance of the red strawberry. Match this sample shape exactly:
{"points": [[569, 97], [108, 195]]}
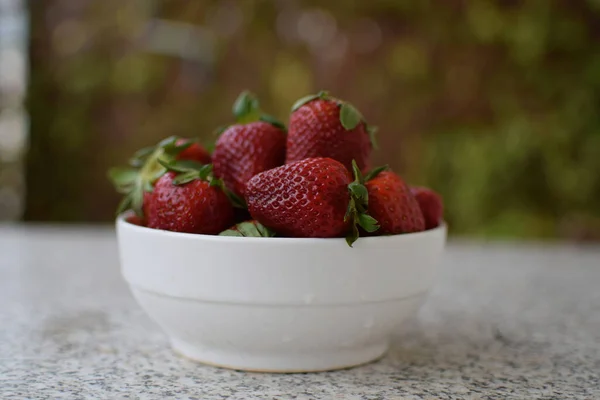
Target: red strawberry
{"points": [[246, 149], [191, 202], [243, 151], [194, 152], [250, 228], [431, 205], [322, 126], [314, 197], [136, 182], [392, 204], [136, 220]]}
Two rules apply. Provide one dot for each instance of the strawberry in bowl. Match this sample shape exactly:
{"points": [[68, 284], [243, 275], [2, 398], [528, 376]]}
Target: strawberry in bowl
{"points": [[255, 261]]}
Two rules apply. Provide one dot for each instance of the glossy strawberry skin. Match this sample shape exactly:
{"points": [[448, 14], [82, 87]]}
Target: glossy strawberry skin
{"points": [[243, 151], [195, 153], [194, 207], [308, 198], [431, 205], [393, 206], [315, 130]]}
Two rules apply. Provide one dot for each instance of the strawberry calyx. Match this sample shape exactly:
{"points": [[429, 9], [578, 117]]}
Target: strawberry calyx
{"points": [[374, 172], [357, 211], [350, 116], [143, 171], [248, 229], [246, 108], [323, 95], [188, 170]]}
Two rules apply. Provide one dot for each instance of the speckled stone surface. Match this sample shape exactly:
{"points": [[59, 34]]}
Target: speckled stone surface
{"points": [[504, 322]]}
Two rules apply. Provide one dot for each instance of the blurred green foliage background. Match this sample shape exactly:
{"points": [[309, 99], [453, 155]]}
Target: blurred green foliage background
{"points": [[495, 104]]}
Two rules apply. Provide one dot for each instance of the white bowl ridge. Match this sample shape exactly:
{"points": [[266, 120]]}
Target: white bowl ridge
{"points": [[278, 304]]}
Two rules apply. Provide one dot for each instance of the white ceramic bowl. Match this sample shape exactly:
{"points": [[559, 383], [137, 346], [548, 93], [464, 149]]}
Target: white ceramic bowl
{"points": [[278, 304]]}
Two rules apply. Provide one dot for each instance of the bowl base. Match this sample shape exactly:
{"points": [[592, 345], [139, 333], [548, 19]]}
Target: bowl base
{"points": [[318, 361]]}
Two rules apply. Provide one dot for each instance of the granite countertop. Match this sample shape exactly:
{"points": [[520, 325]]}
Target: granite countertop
{"points": [[506, 321]]}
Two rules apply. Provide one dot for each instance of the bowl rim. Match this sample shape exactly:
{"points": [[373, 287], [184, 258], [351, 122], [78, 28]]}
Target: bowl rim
{"points": [[123, 223]]}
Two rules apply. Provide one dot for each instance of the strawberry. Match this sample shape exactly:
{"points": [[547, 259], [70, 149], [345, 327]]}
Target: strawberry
{"points": [[195, 152], [431, 205], [137, 181], [136, 220], [248, 147], [313, 197], [322, 126], [392, 204], [250, 228], [189, 200]]}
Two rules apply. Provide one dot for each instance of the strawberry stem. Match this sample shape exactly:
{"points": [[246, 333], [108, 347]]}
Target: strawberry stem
{"points": [[246, 108], [357, 207], [374, 172]]}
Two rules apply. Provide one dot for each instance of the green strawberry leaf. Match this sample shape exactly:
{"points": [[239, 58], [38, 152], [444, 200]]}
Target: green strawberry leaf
{"points": [[350, 117], [214, 182], [246, 108], [182, 165], [124, 205], [231, 232], [351, 210], [185, 177], [159, 172], [174, 149], [357, 173], [273, 121], [188, 165], [359, 191], [263, 230], [169, 166], [140, 156], [169, 141], [307, 99], [122, 176], [218, 131], [137, 200], [148, 187], [236, 201], [374, 172], [248, 229], [372, 130], [367, 222], [210, 148], [149, 164], [205, 172], [352, 235], [356, 212], [188, 170]]}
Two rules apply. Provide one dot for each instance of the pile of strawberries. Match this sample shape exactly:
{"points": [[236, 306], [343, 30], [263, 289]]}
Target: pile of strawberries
{"points": [[311, 180]]}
